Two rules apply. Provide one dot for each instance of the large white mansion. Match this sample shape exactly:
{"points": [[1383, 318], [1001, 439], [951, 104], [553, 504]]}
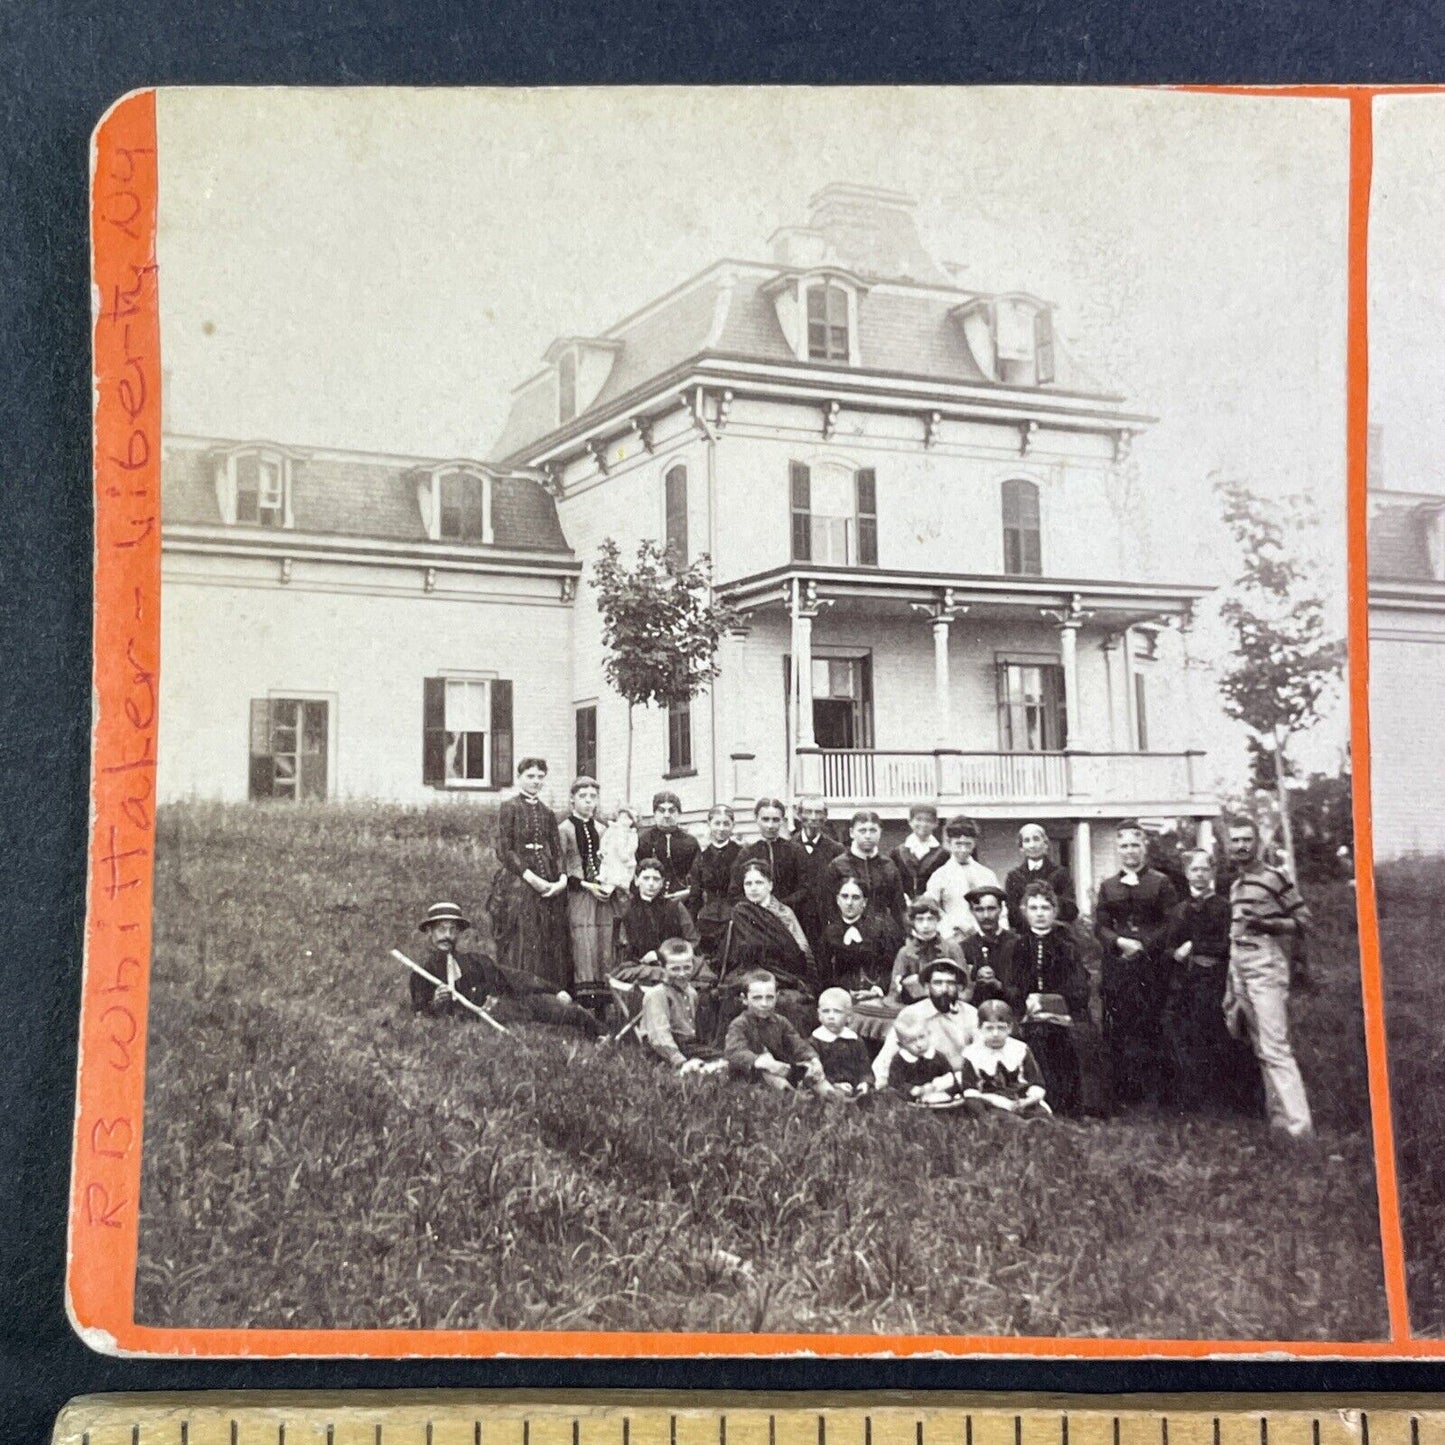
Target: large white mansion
{"points": [[910, 489]]}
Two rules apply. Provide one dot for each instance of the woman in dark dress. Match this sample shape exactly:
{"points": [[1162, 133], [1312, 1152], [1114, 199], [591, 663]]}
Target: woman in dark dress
{"points": [[528, 903], [859, 945], [1044, 971], [711, 879]]}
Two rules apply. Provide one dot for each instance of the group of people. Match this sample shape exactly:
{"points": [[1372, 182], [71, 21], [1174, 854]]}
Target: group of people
{"points": [[804, 962]]}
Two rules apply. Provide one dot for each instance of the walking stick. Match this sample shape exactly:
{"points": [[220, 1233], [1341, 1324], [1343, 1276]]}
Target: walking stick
{"points": [[466, 1003]]}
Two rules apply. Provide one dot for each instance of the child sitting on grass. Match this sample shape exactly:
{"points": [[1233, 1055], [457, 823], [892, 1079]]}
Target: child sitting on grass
{"points": [[923, 945], [669, 1011], [918, 1071], [843, 1054], [1000, 1071], [763, 1046]]}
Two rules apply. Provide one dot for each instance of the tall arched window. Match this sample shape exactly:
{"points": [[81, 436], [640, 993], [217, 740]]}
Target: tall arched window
{"points": [[1022, 552], [674, 506]]}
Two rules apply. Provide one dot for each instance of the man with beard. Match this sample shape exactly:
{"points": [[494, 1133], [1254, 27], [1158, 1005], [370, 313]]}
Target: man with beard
{"points": [[1132, 922], [989, 952], [948, 1021]]}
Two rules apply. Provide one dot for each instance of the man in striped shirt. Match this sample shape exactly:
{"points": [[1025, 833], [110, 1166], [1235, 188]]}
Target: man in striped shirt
{"points": [[1266, 911]]}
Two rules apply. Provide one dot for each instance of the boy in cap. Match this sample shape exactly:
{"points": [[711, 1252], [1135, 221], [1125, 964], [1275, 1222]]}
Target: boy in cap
{"points": [[510, 995], [923, 945]]}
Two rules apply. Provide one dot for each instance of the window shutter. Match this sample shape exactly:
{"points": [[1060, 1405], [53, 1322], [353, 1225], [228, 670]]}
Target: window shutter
{"points": [[262, 771], [1044, 344], [866, 481], [501, 734], [802, 489], [434, 731]]}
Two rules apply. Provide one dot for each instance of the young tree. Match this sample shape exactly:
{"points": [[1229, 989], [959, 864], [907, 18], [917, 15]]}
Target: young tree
{"points": [[1285, 664], [661, 626]]}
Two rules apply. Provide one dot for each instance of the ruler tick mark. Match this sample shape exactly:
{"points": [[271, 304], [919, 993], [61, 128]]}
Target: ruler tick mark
{"points": [[1216, 1430], [773, 1430], [672, 1429], [1414, 1430], [1263, 1430], [822, 1431], [968, 1430], [1315, 1431], [1163, 1430], [722, 1430], [576, 1432], [1018, 1431], [1116, 1430], [1063, 1430], [1364, 1428]]}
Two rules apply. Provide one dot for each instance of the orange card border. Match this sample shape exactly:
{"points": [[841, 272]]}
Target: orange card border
{"points": [[100, 1291]]}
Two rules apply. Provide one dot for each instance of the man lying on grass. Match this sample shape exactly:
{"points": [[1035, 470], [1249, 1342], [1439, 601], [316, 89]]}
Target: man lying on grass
{"points": [[762, 1045], [949, 1022], [510, 995]]}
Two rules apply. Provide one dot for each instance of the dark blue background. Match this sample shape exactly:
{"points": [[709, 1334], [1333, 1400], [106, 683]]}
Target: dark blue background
{"points": [[63, 64]]}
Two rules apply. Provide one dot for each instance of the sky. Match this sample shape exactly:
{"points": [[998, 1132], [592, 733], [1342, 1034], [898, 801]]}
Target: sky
{"points": [[377, 270], [1407, 290]]}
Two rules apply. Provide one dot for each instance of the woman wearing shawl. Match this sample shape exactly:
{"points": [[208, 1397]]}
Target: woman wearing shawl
{"points": [[529, 916], [763, 933]]}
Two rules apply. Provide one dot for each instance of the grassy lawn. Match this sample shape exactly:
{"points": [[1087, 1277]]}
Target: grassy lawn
{"points": [[317, 1157], [1412, 903]]}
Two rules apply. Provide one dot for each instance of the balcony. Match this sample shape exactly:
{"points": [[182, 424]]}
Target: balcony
{"points": [[873, 778]]}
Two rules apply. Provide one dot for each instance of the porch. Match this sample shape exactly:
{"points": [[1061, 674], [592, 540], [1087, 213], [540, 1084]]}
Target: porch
{"points": [[1104, 783]]}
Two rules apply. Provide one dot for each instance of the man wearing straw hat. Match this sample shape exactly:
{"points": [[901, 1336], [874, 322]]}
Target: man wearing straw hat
{"points": [[509, 995]]}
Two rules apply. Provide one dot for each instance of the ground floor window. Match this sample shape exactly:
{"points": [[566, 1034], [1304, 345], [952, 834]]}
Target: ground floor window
{"points": [[466, 732], [1032, 715], [585, 723], [679, 738], [289, 747]]}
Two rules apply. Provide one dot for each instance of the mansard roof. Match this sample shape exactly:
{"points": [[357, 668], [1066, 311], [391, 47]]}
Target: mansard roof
{"points": [[905, 329], [355, 494]]}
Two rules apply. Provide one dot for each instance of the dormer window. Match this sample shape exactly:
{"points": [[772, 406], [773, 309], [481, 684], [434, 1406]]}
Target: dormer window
{"points": [[260, 490], [1011, 338], [253, 487], [827, 322], [456, 503], [818, 314], [581, 366]]}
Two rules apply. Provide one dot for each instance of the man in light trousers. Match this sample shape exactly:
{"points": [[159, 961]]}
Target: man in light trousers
{"points": [[1266, 911]]}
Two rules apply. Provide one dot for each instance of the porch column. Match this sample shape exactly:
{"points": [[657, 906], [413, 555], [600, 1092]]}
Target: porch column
{"points": [[1069, 653], [939, 615], [1191, 690], [736, 740], [1084, 866], [805, 608], [1204, 835], [1109, 647]]}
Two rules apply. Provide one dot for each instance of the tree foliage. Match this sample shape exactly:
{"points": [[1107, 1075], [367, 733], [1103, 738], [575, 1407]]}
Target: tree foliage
{"points": [[660, 624], [1285, 663]]}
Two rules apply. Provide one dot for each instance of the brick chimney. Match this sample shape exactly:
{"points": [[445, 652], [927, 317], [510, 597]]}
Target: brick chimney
{"points": [[864, 229]]}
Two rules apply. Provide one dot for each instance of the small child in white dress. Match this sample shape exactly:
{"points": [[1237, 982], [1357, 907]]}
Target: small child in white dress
{"points": [[618, 849]]}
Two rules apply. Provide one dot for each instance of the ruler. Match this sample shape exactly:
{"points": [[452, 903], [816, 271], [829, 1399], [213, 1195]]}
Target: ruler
{"points": [[471, 1418]]}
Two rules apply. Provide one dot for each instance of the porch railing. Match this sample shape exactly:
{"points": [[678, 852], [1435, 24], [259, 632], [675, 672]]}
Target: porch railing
{"points": [[872, 776]]}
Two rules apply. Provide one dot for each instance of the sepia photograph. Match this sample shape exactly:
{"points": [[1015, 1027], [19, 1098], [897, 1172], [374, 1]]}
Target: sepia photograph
{"points": [[753, 719]]}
